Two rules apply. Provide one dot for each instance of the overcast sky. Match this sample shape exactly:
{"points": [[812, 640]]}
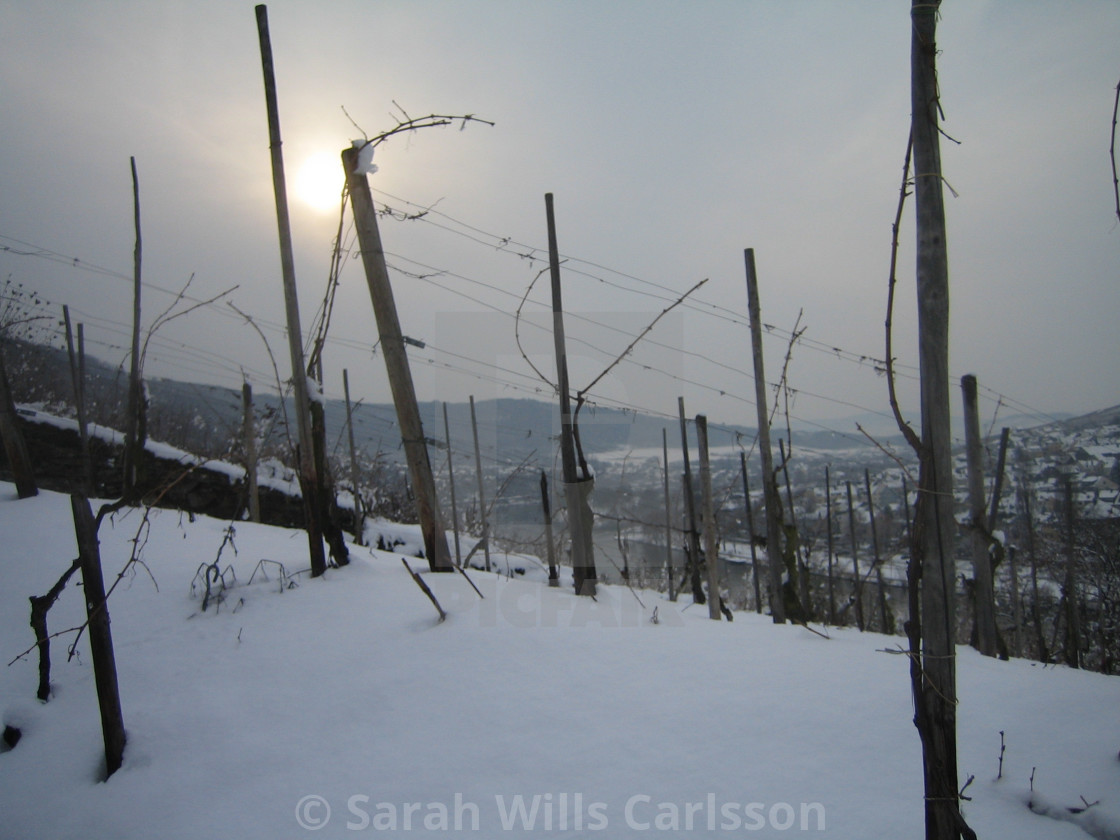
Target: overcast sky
{"points": [[673, 135]]}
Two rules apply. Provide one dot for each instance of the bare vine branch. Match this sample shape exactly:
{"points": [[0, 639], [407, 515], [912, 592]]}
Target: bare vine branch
{"points": [[904, 427], [641, 335], [517, 332], [1112, 151], [275, 370], [168, 315], [416, 123], [784, 389]]}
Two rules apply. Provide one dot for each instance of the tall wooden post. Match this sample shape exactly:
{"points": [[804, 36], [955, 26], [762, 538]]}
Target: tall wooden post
{"points": [[577, 488], [550, 548], [668, 519], [984, 592], [78, 379], [396, 365], [690, 512], [249, 435], [133, 442], [309, 480], [750, 535], [711, 545], [831, 552], [100, 636], [451, 482], [857, 580], [935, 680], [483, 515], [769, 480], [886, 620]]}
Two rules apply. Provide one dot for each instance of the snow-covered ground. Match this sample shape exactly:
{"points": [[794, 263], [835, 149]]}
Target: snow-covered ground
{"points": [[341, 706]]}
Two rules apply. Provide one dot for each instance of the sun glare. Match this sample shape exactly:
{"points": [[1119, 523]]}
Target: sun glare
{"points": [[318, 182]]}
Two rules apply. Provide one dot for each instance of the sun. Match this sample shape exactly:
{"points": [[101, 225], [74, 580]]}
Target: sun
{"points": [[318, 183]]}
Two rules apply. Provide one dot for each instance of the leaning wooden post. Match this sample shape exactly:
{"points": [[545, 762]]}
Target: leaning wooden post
{"points": [[396, 364], [769, 479], [483, 515], [984, 592], [668, 519], [451, 482], [690, 512], [100, 636], [711, 545], [750, 535], [577, 488], [309, 480], [553, 576], [855, 559], [997, 485]]}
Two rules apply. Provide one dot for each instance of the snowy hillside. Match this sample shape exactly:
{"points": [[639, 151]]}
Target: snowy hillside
{"points": [[341, 705]]}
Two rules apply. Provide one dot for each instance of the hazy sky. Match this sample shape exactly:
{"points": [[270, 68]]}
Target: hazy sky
{"points": [[673, 135]]}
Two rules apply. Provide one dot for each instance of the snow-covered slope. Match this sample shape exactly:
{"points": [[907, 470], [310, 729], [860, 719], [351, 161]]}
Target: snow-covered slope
{"points": [[342, 705]]}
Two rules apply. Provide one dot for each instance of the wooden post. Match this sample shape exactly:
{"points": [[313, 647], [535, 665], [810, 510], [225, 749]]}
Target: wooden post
{"points": [[249, 435], [831, 552], [577, 489], [690, 512], [100, 636], [984, 591], [771, 498], [553, 576], [799, 573], [668, 519], [750, 536], [857, 580], [997, 486], [711, 546], [133, 439], [396, 365], [451, 481], [1042, 653], [1016, 604], [78, 380], [934, 678], [309, 480], [355, 477], [481, 488], [886, 620]]}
